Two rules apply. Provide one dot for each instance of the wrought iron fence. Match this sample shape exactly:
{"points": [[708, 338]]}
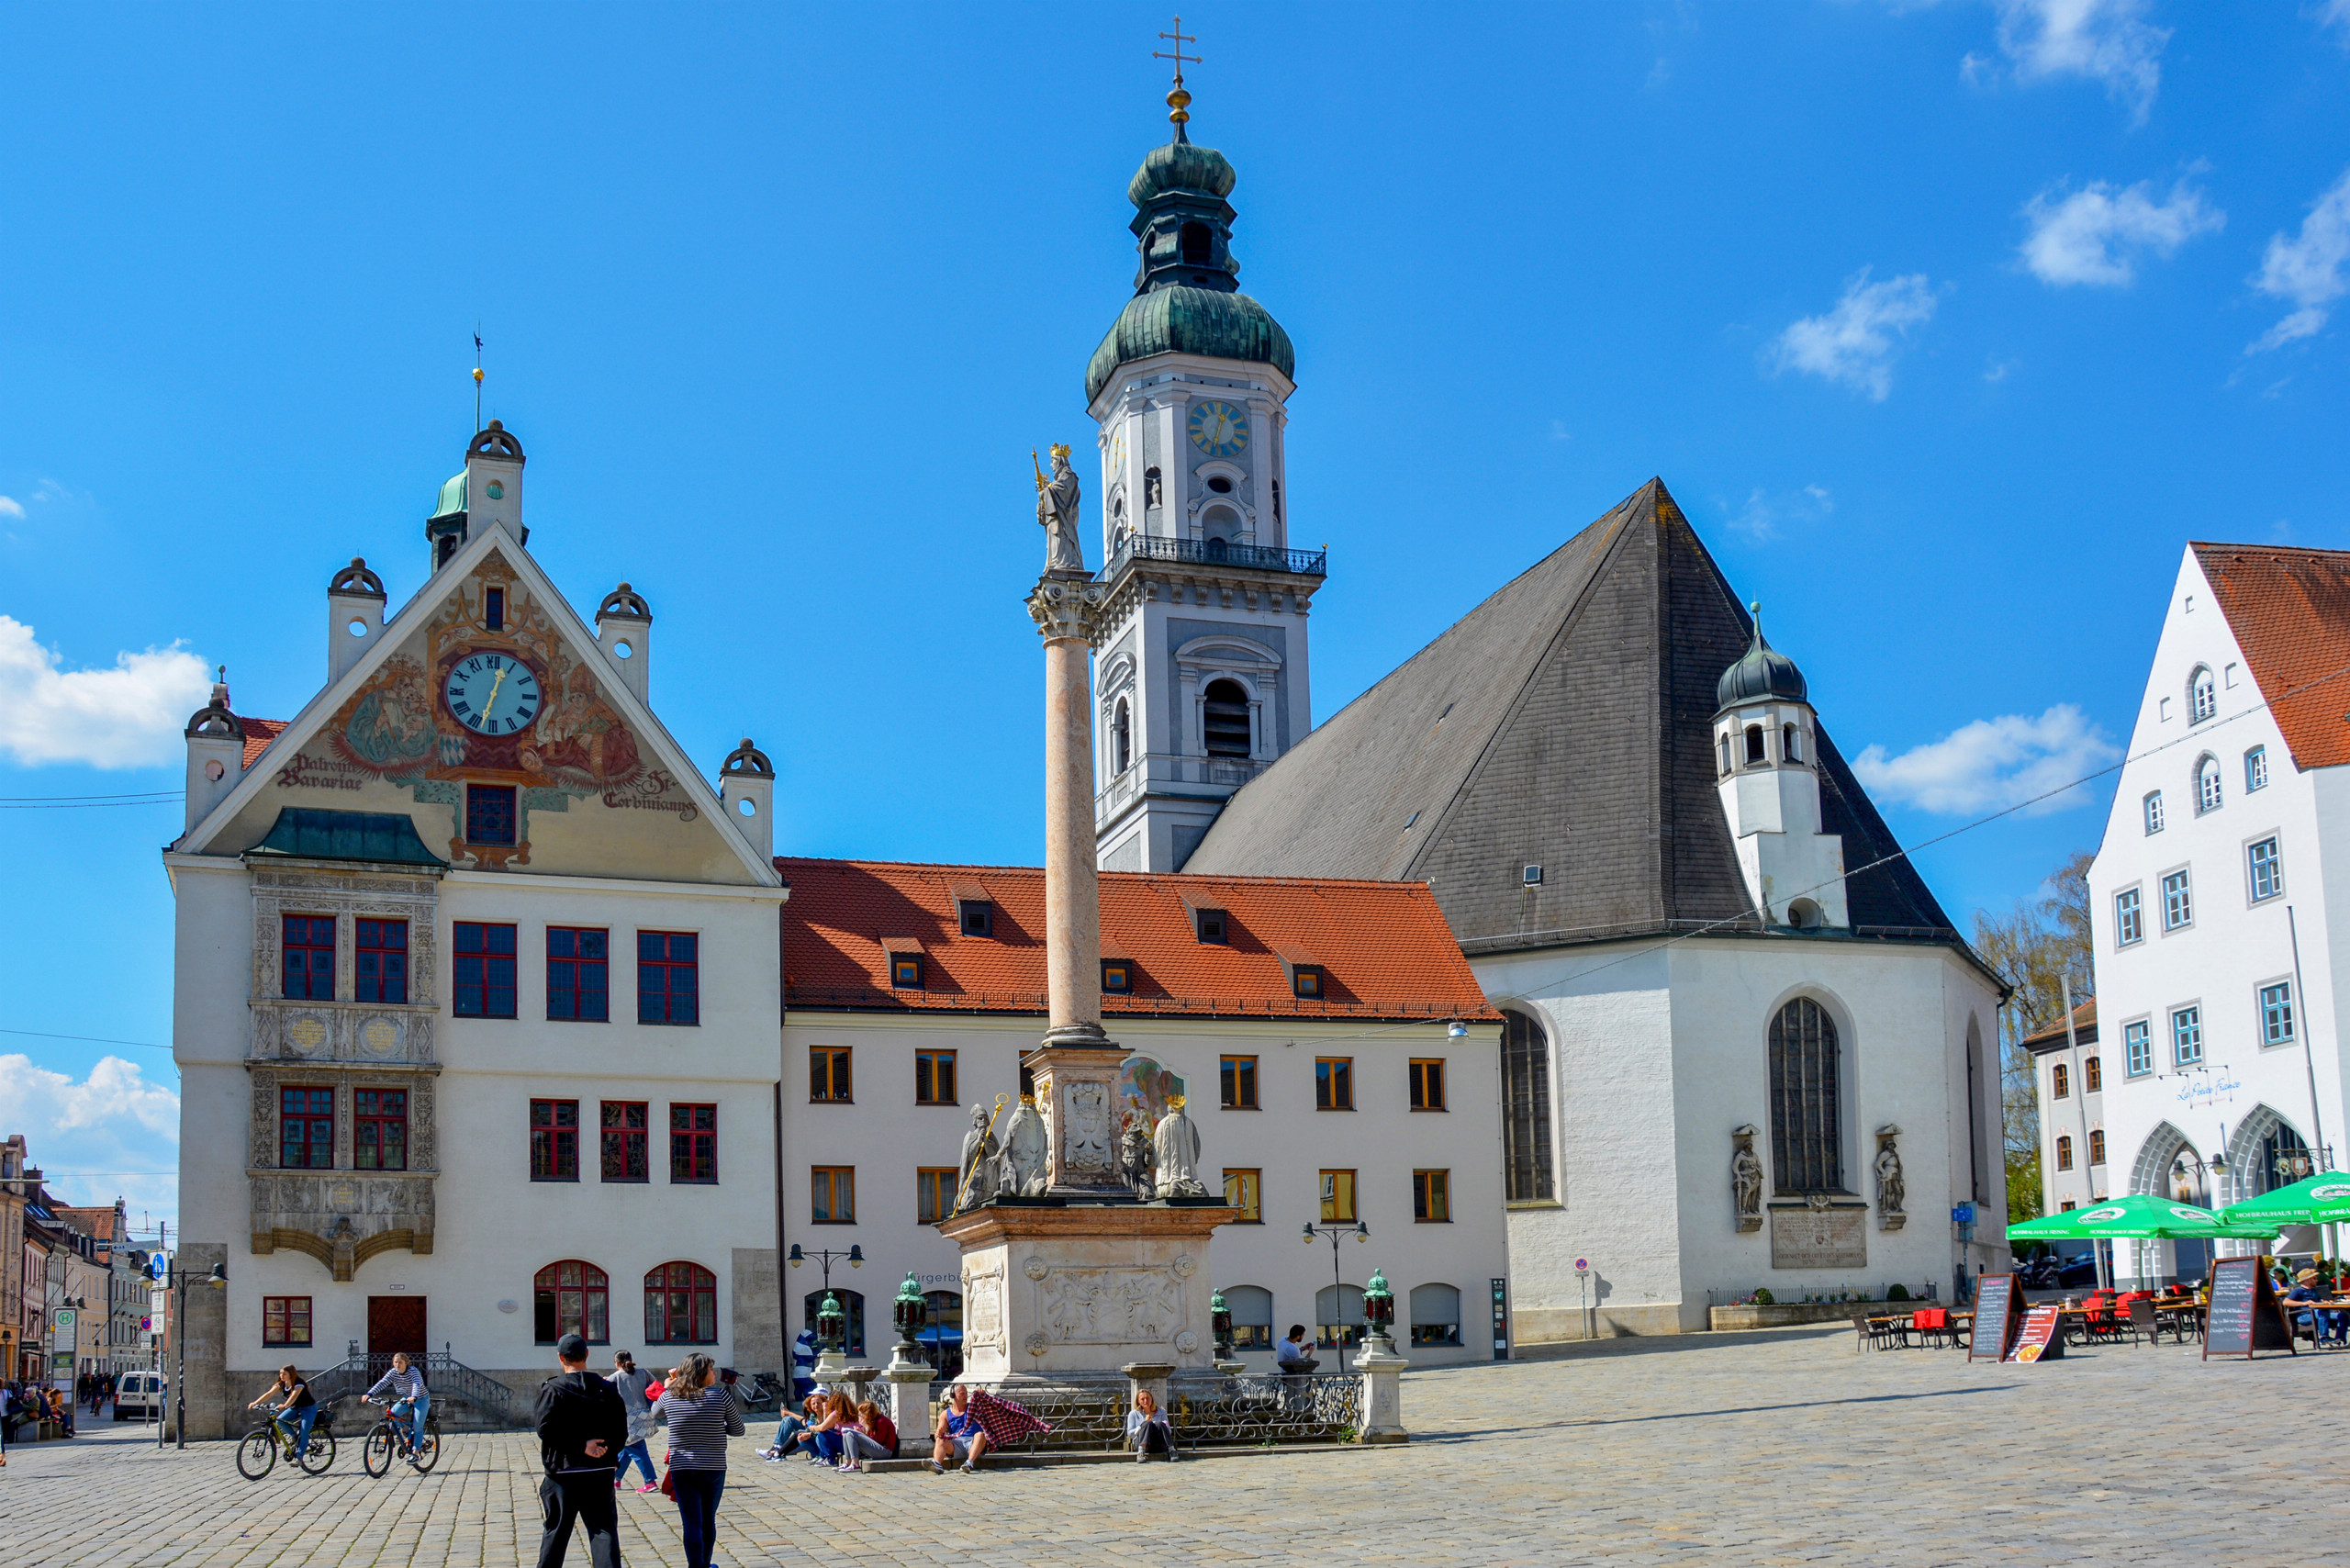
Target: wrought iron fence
{"points": [[1207, 1412], [1215, 553], [447, 1377]]}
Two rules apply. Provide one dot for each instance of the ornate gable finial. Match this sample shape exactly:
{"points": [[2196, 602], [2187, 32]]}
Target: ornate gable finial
{"points": [[1179, 101]]}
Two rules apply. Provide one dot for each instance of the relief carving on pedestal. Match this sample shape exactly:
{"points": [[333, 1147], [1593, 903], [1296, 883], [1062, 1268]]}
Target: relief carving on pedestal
{"points": [[1111, 1306], [983, 1306], [1087, 1145]]}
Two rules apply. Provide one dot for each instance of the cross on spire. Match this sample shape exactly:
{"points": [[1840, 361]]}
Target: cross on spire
{"points": [[1177, 100]]}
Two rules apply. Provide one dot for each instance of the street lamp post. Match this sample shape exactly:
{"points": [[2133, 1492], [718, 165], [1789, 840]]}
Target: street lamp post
{"points": [[1360, 1232], [2208, 1174], [831, 1321]]}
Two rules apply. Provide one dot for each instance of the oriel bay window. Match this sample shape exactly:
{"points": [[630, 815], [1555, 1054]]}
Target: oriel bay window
{"points": [[306, 957], [381, 961], [572, 1297], [554, 1140], [681, 1305], [626, 1130], [668, 985], [693, 1143], [481, 969], [305, 1128], [578, 975], [380, 1129]]}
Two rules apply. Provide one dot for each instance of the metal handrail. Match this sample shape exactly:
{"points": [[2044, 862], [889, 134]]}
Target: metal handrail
{"points": [[1215, 553], [445, 1376]]}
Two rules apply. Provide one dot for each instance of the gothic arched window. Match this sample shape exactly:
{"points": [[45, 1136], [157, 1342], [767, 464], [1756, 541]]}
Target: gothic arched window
{"points": [[2202, 696], [1526, 1110], [1754, 744], [2207, 785], [1226, 716], [1807, 1105], [1122, 737]]}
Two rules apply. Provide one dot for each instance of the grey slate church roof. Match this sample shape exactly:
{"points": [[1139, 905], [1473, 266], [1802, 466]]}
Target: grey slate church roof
{"points": [[1565, 722]]}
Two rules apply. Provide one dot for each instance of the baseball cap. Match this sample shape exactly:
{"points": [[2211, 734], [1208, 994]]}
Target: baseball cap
{"points": [[571, 1347]]}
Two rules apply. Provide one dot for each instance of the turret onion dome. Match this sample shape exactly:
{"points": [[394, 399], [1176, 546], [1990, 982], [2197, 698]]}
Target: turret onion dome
{"points": [[453, 498], [1187, 288], [1761, 674]]}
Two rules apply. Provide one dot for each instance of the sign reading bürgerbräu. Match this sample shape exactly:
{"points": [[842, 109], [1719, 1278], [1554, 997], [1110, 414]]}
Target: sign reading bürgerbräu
{"points": [[1995, 1318], [2244, 1314]]}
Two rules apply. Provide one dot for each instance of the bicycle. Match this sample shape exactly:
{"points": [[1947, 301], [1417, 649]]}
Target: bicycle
{"points": [[389, 1437], [262, 1447]]}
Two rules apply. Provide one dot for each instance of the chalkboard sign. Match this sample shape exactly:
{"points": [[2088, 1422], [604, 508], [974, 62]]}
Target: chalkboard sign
{"points": [[2042, 1338], [1995, 1318], [2244, 1314]]}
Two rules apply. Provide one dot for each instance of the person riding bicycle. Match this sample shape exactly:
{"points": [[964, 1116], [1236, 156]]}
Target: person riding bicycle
{"points": [[295, 1413], [410, 1401]]}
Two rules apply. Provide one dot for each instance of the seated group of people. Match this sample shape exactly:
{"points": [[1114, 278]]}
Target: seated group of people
{"points": [[833, 1429], [2329, 1328]]}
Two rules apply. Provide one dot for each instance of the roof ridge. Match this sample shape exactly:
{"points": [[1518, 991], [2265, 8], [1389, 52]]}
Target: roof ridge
{"points": [[1248, 877]]}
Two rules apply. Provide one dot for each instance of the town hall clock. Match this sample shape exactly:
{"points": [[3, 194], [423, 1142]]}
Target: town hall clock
{"points": [[492, 693], [1220, 430]]}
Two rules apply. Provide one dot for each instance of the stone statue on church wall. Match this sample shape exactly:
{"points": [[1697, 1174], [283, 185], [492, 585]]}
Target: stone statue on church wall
{"points": [[1176, 1146], [1057, 513], [1025, 1144], [1745, 1179], [1891, 1191], [980, 1163]]}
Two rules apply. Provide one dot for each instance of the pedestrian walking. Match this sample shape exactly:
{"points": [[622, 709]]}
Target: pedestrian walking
{"points": [[702, 1414], [582, 1424], [635, 1385]]}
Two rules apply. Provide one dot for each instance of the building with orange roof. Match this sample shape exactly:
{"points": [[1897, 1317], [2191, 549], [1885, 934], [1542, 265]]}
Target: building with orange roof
{"points": [[2219, 948], [1337, 1054]]}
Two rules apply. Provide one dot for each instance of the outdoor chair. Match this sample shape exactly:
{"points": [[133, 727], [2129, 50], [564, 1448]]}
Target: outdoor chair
{"points": [[1879, 1333], [1934, 1326]]}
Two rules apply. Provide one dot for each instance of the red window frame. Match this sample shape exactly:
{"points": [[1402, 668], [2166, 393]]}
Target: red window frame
{"points": [[379, 967], [680, 1305], [626, 1130], [554, 1140], [380, 1129], [572, 1297], [579, 974], [285, 1320], [668, 977], [305, 957], [693, 1143], [304, 1127]]}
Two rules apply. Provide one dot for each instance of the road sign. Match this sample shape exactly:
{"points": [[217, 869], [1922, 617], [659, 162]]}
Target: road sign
{"points": [[146, 1326], [159, 1266], [1583, 1265], [65, 1320]]}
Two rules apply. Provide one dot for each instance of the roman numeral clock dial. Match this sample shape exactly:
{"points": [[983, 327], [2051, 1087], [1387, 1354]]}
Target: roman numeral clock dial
{"points": [[492, 694]]}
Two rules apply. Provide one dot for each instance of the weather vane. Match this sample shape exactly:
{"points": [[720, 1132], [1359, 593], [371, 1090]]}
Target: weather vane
{"points": [[1178, 99]]}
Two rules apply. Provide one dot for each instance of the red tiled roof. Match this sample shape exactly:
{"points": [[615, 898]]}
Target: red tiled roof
{"points": [[2291, 612], [2083, 1028], [1385, 946], [259, 733]]}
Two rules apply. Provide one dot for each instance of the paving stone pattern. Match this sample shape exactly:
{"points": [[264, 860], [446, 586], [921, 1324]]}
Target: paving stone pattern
{"points": [[1785, 1447]]}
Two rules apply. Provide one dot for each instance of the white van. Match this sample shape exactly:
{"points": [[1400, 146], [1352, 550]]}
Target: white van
{"points": [[139, 1395]]}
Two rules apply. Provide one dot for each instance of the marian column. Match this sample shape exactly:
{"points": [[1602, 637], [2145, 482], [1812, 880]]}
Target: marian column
{"points": [[1075, 1069]]}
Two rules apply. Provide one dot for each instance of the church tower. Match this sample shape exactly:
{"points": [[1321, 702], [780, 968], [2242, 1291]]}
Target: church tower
{"points": [[1200, 669], [1765, 755]]}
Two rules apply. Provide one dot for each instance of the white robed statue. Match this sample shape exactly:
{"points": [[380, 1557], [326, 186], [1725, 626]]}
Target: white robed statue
{"points": [[1056, 511], [1176, 1150], [1024, 1151]]}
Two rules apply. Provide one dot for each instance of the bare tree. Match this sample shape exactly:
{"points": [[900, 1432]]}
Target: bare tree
{"points": [[2036, 948]]}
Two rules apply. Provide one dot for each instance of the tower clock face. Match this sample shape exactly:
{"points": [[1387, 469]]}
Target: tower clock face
{"points": [[1220, 430], [1117, 453], [492, 694]]}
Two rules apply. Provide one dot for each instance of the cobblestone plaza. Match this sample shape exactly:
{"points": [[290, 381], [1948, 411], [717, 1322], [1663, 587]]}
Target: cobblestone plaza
{"points": [[1772, 1448]]}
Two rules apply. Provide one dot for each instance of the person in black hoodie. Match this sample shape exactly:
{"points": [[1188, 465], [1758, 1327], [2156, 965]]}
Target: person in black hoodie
{"points": [[582, 1425]]}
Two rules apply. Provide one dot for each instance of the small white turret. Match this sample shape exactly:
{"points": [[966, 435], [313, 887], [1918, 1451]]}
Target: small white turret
{"points": [[488, 490], [355, 616], [624, 630], [1763, 760], [746, 783], [216, 753]]}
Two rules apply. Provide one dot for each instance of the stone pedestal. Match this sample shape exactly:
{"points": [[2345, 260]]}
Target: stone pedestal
{"points": [[832, 1365], [1077, 1095], [1148, 1376], [1053, 1290], [1383, 1391], [909, 1387]]}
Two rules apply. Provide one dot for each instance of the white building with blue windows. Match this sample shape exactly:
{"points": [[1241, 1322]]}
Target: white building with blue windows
{"points": [[2217, 896]]}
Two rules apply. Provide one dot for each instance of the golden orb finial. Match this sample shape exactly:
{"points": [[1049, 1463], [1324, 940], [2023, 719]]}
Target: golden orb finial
{"points": [[477, 375], [1179, 101]]}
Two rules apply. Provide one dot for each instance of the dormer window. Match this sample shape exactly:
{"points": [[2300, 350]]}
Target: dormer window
{"points": [[1210, 925], [977, 917], [905, 971], [1756, 751], [1305, 981], [1118, 977]]}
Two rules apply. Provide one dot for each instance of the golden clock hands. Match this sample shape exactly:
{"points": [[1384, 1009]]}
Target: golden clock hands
{"points": [[490, 701]]}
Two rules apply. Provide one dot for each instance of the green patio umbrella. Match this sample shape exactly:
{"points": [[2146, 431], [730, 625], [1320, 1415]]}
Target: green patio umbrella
{"points": [[2139, 1215], [2318, 1200]]}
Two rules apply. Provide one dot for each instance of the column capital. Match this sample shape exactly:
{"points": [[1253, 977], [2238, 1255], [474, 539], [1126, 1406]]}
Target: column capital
{"points": [[1068, 605]]}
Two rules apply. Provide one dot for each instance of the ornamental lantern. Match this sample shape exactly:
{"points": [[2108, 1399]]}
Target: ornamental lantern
{"points": [[907, 1312], [832, 1324], [1220, 1320], [1378, 1304]]}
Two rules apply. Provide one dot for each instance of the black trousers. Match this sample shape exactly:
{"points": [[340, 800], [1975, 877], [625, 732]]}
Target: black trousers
{"points": [[584, 1498]]}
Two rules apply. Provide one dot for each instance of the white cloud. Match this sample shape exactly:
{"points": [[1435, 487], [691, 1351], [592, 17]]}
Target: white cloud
{"points": [[10, 506], [1992, 763], [2106, 40], [1764, 513], [115, 1123], [2307, 271], [1854, 344], [2096, 234], [130, 716], [2335, 13]]}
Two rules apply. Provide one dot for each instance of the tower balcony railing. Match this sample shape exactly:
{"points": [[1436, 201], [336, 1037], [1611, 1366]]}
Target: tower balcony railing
{"points": [[1215, 552]]}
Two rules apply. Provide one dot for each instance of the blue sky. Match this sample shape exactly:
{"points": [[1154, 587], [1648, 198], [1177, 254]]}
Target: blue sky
{"points": [[1948, 324]]}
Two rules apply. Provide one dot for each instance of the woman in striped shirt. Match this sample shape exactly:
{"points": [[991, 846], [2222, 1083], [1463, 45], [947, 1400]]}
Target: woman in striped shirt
{"points": [[701, 1415]]}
